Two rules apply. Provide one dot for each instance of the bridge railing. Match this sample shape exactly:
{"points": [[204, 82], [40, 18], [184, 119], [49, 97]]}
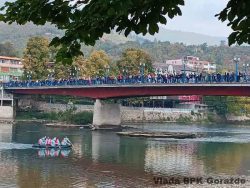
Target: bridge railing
{"points": [[129, 80]]}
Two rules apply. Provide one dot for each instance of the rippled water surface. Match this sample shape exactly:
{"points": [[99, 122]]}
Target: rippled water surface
{"points": [[103, 159]]}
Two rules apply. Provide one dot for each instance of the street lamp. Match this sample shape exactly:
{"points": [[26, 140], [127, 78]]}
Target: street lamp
{"points": [[124, 75], [51, 74], [77, 70], [142, 66], [245, 70], [107, 68], [184, 62], [29, 75], [236, 61]]}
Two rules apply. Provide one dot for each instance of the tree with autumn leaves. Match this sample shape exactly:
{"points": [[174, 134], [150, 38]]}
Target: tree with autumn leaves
{"points": [[96, 65], [133, 60], [36, 58], [38, 54]]}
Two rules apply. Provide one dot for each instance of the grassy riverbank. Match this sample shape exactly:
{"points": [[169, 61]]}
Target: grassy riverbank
{"points": [[81, 118]]}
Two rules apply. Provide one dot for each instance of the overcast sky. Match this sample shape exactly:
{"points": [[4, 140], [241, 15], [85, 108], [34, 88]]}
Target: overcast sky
{"points": [[198, 16]]}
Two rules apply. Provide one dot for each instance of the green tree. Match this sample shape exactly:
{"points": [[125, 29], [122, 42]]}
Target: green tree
{"points": [[218, 103], [238, 105], [87, 20], [36, 58], [132, 61]]}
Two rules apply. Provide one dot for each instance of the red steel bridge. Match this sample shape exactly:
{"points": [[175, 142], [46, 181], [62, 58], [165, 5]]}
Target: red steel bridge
{"points": [[106, 91]]}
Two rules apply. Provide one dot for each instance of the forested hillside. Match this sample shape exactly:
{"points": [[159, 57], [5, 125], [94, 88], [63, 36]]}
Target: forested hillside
{"points": [[18, 35], [189, 38], [115, 44], [162, 51]]}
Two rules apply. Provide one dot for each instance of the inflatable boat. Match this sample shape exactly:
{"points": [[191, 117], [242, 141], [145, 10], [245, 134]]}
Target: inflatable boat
{"points": [[51, 147]]}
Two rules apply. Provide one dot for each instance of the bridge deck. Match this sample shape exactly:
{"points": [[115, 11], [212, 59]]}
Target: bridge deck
{"points": [[133, 90]]}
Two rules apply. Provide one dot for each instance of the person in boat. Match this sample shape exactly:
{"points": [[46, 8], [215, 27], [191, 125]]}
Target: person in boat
{"points": [[57, 142], [42, 141], [66, 142], [48, 141], [53, 142]]}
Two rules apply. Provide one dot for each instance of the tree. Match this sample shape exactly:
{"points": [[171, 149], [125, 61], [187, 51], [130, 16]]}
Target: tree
{"points": [[62, 71], [36, 58], [238, 105], [7, 49], [87, 20], [97, 64], [237, 13], [131, 61]]}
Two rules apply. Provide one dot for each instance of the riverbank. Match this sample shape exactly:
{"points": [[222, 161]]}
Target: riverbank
{"points": [[83, 114], [63, 118]]}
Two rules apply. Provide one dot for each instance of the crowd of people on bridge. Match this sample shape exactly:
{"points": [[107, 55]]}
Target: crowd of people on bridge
{"points": [[133, 79]]}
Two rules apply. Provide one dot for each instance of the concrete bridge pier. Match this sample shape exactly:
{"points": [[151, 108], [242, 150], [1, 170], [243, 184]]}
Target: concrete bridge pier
{"points": [[106, 115], [6, 105]]}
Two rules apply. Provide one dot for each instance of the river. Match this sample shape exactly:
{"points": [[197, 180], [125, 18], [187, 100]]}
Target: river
{"points": [[103, 159]]}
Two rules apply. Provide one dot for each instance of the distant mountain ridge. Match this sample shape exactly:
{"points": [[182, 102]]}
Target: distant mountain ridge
{"points": [[9, 32], [18, 35], [189, 38]]}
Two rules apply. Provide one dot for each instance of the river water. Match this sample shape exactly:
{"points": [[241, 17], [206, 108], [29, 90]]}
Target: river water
{"points": [[103, 159]]}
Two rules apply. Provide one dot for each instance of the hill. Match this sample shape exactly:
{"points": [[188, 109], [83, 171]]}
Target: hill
{"points": [[18, 35], [188, 38]]}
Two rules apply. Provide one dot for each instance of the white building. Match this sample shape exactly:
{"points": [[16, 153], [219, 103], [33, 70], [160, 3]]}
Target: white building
{"points": [[191, 63]]}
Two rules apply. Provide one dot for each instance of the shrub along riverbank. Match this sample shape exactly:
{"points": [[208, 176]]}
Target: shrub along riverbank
{"points": [[69, 116]]}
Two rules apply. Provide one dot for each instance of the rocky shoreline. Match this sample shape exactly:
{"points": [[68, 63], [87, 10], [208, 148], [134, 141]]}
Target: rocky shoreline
{"points": [[159, 134]]}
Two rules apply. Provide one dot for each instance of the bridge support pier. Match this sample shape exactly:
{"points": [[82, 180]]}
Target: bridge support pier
{"points": [[6, 105], [106, 115]]}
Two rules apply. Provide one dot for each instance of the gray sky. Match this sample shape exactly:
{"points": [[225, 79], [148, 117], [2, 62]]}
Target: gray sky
{"points": [[198, 16]]}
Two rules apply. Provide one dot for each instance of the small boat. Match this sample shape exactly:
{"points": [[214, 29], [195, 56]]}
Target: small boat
{"points": [[51, 147]]}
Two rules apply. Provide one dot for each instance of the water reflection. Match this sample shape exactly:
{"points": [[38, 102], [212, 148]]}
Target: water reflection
{"points": [[225, 158], [173, 159], [6, 132], [105, 146], [101, 158], [53, 152]]}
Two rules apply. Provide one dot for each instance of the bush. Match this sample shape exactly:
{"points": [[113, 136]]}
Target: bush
{"points": [[82, 118], [68, 116]]}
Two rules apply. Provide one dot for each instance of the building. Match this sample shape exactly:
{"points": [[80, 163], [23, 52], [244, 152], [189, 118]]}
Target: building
{"points": [[192, 64], [11, 68], [198, 65]]}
